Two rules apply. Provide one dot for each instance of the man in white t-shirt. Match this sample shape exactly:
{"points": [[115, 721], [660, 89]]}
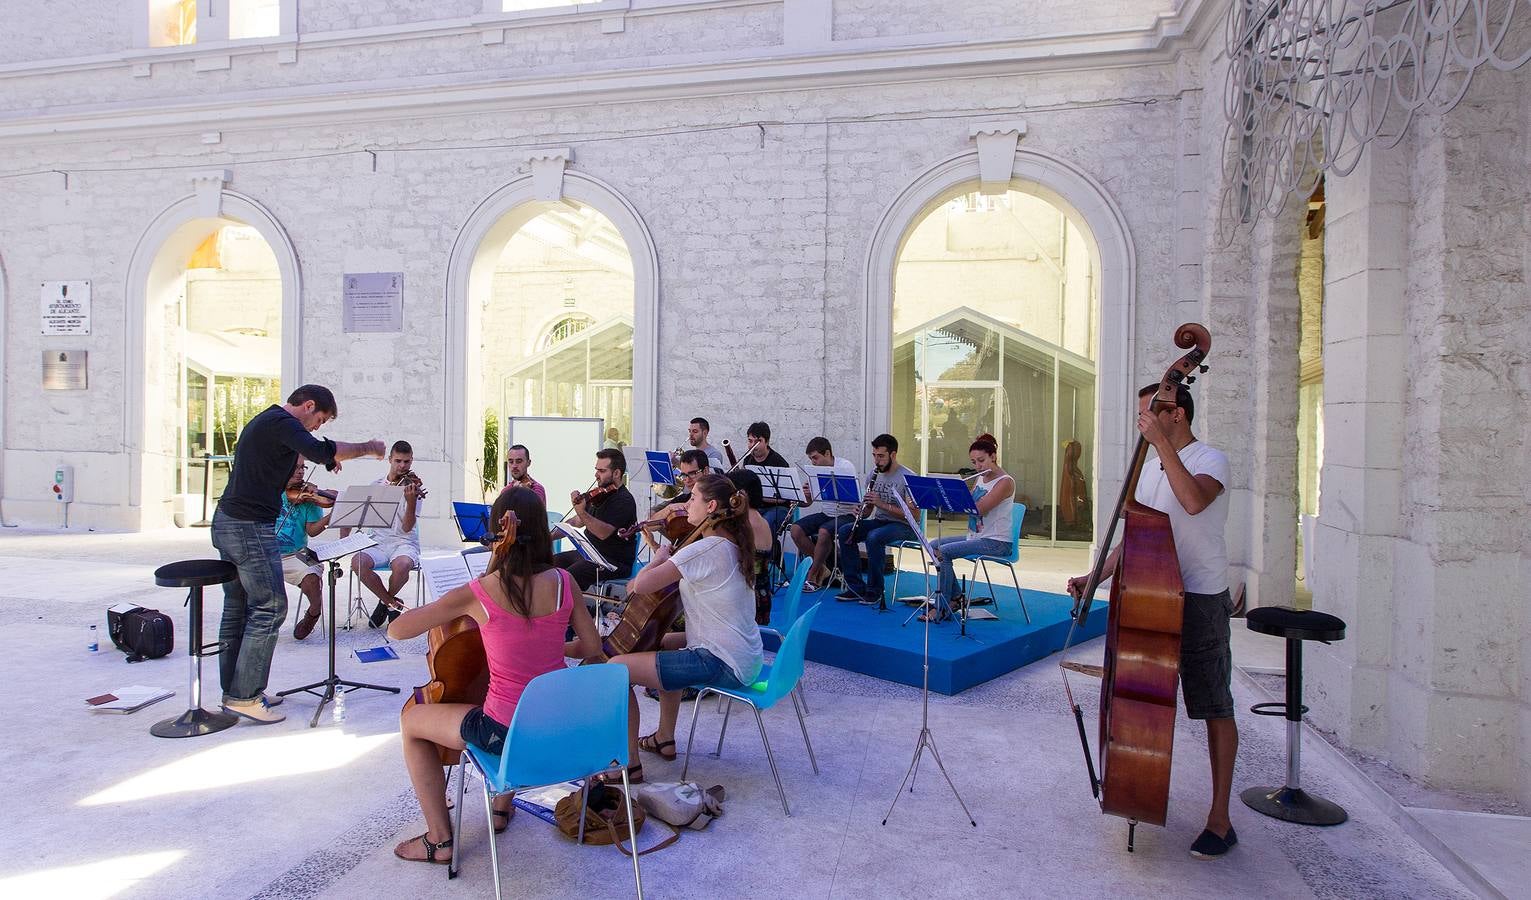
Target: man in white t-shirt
{"points": [[398, 546], [1186, 482], [814, 532]]}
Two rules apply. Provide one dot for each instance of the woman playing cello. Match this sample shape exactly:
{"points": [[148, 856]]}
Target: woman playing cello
{"points": [[523, 606]]}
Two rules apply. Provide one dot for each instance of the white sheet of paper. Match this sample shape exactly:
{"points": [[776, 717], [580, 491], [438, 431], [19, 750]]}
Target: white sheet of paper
{"points": [[134, 696], [443, 573], [341, 547], [582, 542]]}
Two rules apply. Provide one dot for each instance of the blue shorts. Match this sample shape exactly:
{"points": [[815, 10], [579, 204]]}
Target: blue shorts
{"points": [[482, 731], [693, 667]]}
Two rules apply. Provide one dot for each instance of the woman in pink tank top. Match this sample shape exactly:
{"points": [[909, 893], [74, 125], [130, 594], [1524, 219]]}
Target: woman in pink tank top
{"points": [[523, 606]]}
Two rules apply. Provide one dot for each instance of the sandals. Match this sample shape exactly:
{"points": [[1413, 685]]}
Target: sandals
{"points": [[651, 744], [614, 776], [502, 819], [430, 851]]}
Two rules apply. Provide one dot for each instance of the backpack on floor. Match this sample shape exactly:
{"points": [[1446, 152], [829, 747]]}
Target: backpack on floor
{"points": [[140, 633]]}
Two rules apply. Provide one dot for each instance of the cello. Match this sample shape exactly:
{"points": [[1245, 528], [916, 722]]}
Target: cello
{"points": [[1140, 674], [456, 659]]}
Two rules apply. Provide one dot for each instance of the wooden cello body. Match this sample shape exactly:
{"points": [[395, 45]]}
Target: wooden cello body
{"points": [[459, 670], [1140, 675]]}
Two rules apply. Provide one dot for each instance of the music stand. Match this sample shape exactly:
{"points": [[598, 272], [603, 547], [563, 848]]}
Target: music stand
{"points": [[582, 545], [472, 521], [942, 494], [659, 468], [331, 552], [367, 506], [836, 488], [927, 737]]}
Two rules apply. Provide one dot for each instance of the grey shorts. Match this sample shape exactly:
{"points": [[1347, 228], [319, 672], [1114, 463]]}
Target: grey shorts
{"points": [[1206, 661]]}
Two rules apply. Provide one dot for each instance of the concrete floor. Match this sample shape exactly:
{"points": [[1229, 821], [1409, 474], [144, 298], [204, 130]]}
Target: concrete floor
{"points": [[99, 808]]}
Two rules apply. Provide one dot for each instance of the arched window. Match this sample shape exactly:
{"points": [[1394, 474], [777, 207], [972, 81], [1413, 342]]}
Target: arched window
{"points": [[564, 329]]}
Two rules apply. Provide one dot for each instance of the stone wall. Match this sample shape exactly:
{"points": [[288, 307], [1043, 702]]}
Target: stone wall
{"points": [[886, 18]]}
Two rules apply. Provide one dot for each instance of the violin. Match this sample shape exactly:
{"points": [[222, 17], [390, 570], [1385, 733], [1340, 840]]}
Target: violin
{"points": [[308, 492], [411, 478], [1141, 670], [676, 528], [594, 493]]}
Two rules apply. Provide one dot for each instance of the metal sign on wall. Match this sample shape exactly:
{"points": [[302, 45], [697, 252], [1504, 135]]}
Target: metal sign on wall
{"points": [[373, 302], [65, 370], [66, 307]]}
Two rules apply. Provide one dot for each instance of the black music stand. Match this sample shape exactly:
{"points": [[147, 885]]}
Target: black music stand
{"points": [[836, 488], [332, 552], [927, 738]]}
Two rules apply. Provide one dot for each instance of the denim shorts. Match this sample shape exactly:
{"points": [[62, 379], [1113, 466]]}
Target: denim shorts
{"points": [[693, 667], [1206, 661], [482, 731]]}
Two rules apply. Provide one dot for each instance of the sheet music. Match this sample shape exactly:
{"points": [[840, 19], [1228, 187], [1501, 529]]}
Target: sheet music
{"points": [[443, 573], [583, 545], [478, 563], [326, 550], [778, 483]]}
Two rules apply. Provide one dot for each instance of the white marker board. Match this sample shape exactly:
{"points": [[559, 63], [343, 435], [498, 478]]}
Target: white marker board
{"points": [[563, 452]]}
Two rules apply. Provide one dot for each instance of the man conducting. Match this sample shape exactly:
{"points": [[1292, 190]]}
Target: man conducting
{"points": [[244, 533]]}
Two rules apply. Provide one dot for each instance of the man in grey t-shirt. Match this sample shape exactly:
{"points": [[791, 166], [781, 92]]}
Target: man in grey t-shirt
{"points": [[885, 525]]}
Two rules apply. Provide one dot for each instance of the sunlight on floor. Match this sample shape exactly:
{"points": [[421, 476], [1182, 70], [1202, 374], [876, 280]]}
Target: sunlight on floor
{"points": [[89, 881], [245, 762]]}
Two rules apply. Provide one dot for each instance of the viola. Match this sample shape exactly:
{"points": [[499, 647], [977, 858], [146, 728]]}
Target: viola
{"points": [[1141, 670]]}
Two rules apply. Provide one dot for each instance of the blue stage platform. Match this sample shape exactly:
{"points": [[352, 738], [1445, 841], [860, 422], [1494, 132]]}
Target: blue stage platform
{"points": [[859, 638]]}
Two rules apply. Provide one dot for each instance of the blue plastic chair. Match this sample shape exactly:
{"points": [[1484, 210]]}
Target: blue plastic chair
{"points": [[1017, 514], [569, 724], [776, 681], [771, 638]]}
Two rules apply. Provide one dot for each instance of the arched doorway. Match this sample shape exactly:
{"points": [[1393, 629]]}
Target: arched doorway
{"points": [[557, 328], [994, 332], [587, 211], [1030, 342], [212, 319]]}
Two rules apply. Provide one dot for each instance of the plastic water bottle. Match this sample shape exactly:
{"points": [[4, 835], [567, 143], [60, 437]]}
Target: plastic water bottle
{"points": [[91, 642], [338, 711]]}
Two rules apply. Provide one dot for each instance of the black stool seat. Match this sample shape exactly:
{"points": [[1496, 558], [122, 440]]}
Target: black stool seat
{"points": [[1289, 801], [195, 574], [1296, 624], [192, 572]]}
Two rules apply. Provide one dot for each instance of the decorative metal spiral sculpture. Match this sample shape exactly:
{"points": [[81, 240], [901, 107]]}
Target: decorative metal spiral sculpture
{"points": [[1312, 82]]}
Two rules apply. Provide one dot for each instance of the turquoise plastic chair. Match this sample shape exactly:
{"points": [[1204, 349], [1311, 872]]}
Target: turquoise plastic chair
{"points": [[1017, 514], [793, 600], [569, 724], [771, 638], [776, 681]]}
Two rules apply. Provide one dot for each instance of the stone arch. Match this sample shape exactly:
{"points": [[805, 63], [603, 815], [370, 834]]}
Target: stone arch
{"points": [[149, 263], [1075, 192], [471, 267]]}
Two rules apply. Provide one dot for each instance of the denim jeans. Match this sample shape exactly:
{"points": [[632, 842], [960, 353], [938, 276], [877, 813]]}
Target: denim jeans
{"points": [[878, 534], [958, 546], [254, 605]]}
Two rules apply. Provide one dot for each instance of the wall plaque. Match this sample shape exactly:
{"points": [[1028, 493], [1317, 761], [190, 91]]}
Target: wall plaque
{"points": [[66, 307], [64, 370]]}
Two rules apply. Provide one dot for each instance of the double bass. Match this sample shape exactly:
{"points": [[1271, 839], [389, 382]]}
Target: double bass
{"points": [[1141, 670]]}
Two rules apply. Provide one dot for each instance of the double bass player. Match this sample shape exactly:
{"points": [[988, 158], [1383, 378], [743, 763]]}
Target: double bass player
{"points": [[1186, 483]]}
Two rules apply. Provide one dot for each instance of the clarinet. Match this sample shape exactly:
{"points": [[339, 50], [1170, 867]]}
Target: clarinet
{"points": [[862, 512]]}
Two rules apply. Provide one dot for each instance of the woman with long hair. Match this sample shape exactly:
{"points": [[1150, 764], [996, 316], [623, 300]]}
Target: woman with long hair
{"points": [[523, 606], [765, 541], [721, 643], [989, 531]]}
